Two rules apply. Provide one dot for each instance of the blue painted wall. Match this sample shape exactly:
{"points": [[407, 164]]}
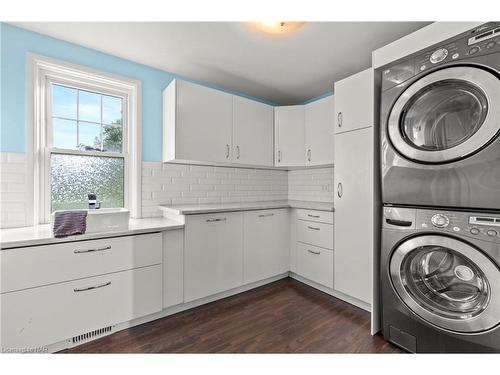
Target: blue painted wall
{"points": [[16, 42]]}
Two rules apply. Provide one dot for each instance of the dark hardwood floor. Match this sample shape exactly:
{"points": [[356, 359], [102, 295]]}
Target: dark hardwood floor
{"points": [[283, 317]]}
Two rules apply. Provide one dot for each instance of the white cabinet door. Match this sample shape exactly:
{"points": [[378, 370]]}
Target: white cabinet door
{"points": [[319, 128], [354, 98], [173, 267], [252, 132], [354, 213], [289, 136], [266, 244], [198, 123], [213, 254]]}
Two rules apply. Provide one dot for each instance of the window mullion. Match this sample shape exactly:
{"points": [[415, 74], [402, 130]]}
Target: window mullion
{"points": [[77, 118]]}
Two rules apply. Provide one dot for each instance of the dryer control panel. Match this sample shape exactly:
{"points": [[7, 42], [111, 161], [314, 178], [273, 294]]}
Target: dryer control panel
{"points": [[475, 225], [481, 41]]}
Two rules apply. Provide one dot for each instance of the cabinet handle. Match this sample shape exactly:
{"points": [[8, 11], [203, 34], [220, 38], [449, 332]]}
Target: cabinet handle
{"points": [[339, 119], [215, 220], [340, 190], [76, 290], [237, 152], [279, 156], [314, 216], [92, 250], [309, 155], [266, 215], [313, 228], [227, 151], [314, 252]]}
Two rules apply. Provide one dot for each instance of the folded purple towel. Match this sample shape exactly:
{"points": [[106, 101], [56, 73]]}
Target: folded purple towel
{"points": [[69, 223]]}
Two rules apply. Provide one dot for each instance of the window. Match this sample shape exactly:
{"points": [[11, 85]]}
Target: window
{"points": [[86, 139]]}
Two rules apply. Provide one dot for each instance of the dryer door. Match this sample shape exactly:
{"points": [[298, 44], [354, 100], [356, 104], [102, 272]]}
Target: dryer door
{"points": [[447, 282], [446, 115]]}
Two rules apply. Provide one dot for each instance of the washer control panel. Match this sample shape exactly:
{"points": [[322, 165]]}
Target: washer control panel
{"points": [[475, 225]]}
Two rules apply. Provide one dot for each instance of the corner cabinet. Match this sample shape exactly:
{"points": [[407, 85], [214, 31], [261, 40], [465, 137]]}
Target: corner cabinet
{"points": [[197, 123], [205, 125], [289, 136], [252, 132], [356, 200], [319, 131]]}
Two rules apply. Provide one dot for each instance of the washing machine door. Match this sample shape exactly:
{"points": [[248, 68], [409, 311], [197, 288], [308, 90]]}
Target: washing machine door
{"points": [[447, 282], [447, 115]]}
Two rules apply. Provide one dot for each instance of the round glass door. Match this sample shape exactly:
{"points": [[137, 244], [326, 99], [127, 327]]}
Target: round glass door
{"points": [[442, 118], [447, 282]]}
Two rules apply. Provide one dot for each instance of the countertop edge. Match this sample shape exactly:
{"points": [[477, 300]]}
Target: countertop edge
{"points": [[13, 244], [316, 206]]}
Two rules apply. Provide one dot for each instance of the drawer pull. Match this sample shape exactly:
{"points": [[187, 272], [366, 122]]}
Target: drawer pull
{"points": [[92, 250], [314, 216], [214, 220], [314, 252], [313, 228], [76, 290], [266, 215]]}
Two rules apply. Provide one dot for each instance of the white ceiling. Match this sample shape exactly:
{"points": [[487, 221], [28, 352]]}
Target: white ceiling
{"points": [[286, 69]]}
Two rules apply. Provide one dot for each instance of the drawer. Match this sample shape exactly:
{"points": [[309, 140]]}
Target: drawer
{"points": [[46, 315], [315, 264], [318, 216], [318, 234], [35, 266]]}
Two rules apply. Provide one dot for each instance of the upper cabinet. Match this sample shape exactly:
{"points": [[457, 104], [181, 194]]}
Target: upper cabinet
{"points": [[354, 114], [319, 131], [205, 125], [289, 136], [197, 123], [252, 132]]}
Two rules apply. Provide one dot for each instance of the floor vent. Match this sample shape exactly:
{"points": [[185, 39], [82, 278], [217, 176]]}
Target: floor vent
{"points": [[91, 335]]}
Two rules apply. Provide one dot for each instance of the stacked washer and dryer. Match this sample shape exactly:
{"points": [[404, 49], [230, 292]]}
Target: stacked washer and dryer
{"points": [[440, 166]]}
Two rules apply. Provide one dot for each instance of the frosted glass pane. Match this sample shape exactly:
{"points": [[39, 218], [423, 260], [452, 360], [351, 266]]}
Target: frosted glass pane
{"points": [[64, 133], [89, 136], [75, 176], [89, 106], [112, 110], [112, 138], [64, 102]]}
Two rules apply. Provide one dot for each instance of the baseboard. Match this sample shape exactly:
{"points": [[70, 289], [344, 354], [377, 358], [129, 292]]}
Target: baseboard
{"points": [[344, 297]]}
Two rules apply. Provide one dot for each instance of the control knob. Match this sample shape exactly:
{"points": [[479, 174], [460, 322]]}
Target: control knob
{"points": [[440, 220], [438, 55]]}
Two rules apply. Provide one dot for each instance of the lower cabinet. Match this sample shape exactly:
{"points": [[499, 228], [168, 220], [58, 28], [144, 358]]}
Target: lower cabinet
{"points": [[45, 315], [213, 254], [266, 244], [315, 263]]}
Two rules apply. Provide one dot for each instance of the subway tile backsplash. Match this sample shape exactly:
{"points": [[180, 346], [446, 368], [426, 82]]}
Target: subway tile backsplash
{"points": [[311, 184], [176, 183], [192, 184]]}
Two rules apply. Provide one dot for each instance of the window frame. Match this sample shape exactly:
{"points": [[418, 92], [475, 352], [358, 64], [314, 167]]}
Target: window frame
{"points": [[43, 72]]}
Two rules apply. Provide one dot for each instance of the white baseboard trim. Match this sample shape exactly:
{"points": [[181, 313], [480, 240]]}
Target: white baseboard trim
{"points": [[344, 297], [66, 344]]}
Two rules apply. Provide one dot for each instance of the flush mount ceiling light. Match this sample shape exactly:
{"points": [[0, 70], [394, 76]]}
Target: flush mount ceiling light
{"points": [[276, 27]]}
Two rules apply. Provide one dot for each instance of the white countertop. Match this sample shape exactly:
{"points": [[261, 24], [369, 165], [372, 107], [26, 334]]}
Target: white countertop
{"points": [[193, 209], [42, 234]]}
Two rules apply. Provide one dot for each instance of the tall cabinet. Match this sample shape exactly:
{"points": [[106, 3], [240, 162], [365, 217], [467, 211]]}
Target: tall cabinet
{"points": [[355, 234]]}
